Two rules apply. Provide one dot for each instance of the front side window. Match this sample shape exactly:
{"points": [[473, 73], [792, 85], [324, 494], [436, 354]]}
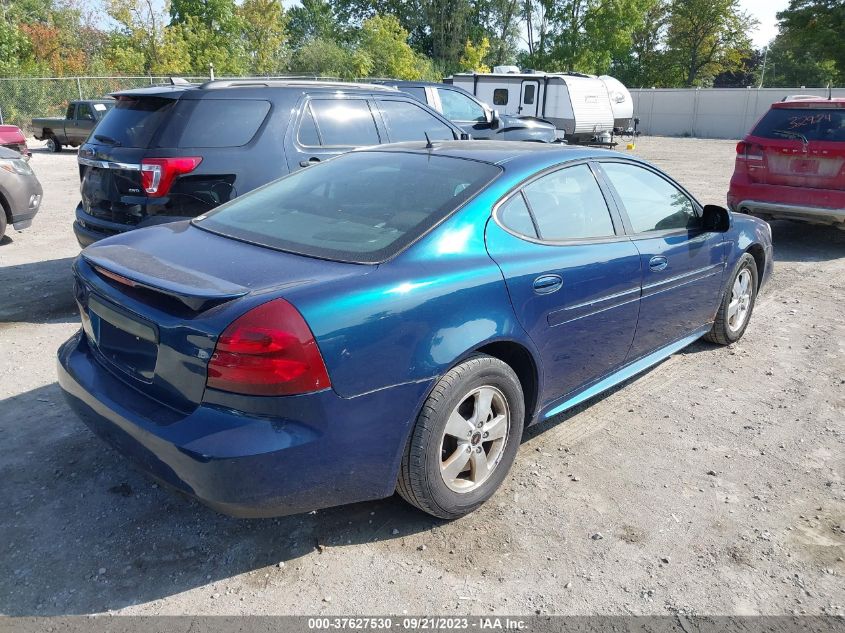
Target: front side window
{"points": [[459, 107], [652, 203], [568, 204], [407, 121], [84, 112], [345, 122], [358, 207], [500, 96]]}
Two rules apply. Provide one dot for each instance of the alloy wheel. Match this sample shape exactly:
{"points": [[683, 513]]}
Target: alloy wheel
{"points": [[474, 439], [740, 304]]}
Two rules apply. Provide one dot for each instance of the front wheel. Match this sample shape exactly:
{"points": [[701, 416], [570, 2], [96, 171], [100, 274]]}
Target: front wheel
{"points": [[737, 303], [465, 439]]}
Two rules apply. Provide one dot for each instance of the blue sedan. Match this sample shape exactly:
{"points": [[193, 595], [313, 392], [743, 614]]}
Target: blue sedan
{"points": [[392, 319]]}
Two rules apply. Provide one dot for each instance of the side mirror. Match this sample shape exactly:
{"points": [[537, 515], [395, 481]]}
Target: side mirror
{"points": [[716, 218]]}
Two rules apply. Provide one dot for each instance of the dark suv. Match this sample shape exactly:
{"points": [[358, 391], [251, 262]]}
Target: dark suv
{"points": [[473, 116], [167, 153]]}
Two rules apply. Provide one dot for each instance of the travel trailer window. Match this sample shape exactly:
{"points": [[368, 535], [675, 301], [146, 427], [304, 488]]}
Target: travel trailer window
{"points": [[529, 94], [500, 96], [568, 204]]}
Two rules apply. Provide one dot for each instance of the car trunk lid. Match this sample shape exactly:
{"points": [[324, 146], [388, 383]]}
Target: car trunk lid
{"points": [[153, 319]]}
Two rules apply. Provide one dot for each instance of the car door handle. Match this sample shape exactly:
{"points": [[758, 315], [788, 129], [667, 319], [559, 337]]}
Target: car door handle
{"points": [[658, 263], [546, 284], [311, 161]]}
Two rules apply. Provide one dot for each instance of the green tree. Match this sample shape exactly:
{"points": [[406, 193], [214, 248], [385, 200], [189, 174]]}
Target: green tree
{"points": [[643, 64], [312, 20], [789, 67], [474, 56], [327, 58], [815, 30], [385, 43], [264, 34], [705, 38]]}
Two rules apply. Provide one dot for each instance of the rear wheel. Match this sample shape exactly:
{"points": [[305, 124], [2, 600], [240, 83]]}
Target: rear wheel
{"points": [[465, 439], [737, 304], [53, 144], [2, 222]]}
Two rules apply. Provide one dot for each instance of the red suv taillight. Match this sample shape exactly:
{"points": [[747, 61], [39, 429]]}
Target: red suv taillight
{"points": [[269, 351], [157, 174], [749, 151]]}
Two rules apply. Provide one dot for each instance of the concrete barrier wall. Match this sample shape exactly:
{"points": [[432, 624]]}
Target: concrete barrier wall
{"points": [[709, 112]]}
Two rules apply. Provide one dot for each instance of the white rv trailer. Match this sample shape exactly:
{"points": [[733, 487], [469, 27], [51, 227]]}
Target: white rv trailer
{"points": [[584, 107]]}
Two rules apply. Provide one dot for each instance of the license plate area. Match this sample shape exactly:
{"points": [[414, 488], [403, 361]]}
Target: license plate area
{"points": [[125, 341], [804, 166]]}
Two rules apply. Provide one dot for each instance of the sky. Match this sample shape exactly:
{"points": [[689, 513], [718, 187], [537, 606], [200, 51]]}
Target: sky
{"points": [[765, 11]]}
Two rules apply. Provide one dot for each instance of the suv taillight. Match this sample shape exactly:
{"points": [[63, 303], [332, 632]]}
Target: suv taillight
{"points": [[269, 351], [157, 174], [749, 151]]}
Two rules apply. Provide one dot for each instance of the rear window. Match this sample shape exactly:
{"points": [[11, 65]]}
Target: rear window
{"points": [[359, 207], [133, 121], [812, 124], [214, 122]]}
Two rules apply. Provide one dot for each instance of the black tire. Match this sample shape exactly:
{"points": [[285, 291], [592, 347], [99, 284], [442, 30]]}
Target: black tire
{"points": [[54, 145], [2, 222], [722, 333], [420, 481]]}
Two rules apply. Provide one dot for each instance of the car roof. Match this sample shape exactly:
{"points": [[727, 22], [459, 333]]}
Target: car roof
{"points": [[806, 102], [512, 153], [295, 84]]}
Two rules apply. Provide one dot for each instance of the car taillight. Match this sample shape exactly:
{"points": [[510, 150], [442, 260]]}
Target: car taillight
{"points": [[157, 174], [749, 151], [269, 351]]}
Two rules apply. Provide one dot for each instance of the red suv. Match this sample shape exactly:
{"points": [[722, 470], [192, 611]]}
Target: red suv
{"points": [[792, 164]]}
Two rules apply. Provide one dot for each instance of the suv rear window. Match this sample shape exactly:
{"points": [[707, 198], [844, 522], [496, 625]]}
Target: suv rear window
{"points": [[214, 122], [360, 207], [133, 121], [817, 124]]}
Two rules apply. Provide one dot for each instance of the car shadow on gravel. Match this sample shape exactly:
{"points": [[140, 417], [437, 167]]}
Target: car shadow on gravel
{"points": [[38, 292], [84, 532], [798, 242]]}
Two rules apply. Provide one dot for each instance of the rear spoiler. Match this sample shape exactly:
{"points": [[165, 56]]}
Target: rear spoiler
{"points": [[137, 269]]}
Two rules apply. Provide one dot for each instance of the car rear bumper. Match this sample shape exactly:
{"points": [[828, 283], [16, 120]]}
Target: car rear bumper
{"points": [[320, 450], [823, 206]]}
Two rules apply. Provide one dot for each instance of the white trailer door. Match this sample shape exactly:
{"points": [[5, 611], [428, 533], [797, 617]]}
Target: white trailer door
{"points": [[529, 97]]}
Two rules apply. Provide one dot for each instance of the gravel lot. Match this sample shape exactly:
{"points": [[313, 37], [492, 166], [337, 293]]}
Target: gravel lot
{"points": [[716, 481]]}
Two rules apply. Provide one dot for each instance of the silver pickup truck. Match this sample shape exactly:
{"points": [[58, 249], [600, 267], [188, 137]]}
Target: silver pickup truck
{"points": [[74, 128]]}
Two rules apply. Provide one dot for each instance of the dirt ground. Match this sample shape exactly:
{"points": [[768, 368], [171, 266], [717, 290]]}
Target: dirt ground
{"points": [[716, 481]]}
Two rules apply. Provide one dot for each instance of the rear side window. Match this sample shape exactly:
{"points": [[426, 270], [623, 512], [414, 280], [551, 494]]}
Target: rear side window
{"points": [[409, 122], [214, 122], [417, 93], [132, 122], [812, 124], [358, 207], [515, 215], [345, 122], [652, 203], [568, 204]]}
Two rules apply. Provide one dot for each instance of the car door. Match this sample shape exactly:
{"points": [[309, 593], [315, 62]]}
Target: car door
{"points": [[464, 112], [68, 125], [572, 275], [682, 263], [328, 126], [409, 121]]}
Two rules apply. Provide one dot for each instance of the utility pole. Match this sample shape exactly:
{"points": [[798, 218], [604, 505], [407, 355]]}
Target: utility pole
{"points": [[763, 72]]}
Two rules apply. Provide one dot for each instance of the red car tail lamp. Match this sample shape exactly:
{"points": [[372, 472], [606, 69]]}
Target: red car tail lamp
{"points": [[158, 174], [269, 351]]}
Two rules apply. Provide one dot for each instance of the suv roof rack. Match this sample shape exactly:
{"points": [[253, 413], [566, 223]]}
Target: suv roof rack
{"points": [[253, 82]]}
